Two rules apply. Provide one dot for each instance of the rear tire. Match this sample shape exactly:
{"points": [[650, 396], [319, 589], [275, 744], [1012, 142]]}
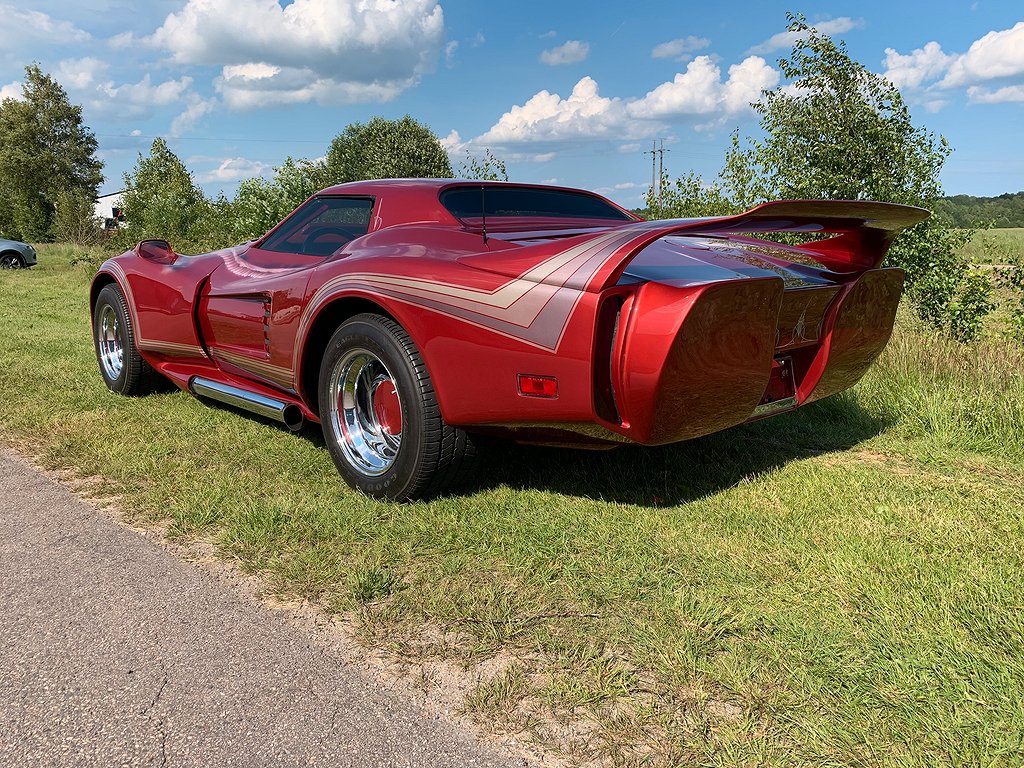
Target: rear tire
{"points": [[123, 369], [380, 415]]}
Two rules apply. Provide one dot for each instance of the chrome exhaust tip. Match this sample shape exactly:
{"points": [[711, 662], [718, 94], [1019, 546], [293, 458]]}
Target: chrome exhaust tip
{"points": [[288, 414]]}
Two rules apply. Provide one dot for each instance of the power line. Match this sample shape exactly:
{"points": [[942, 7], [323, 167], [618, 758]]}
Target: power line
{"points": [[225, 139]]}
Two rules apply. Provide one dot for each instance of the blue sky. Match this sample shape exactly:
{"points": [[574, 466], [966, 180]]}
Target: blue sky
{"points": [[566, 92]]}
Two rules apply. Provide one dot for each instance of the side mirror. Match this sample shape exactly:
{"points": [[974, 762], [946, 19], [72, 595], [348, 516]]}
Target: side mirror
{"points": [[159, 251]]}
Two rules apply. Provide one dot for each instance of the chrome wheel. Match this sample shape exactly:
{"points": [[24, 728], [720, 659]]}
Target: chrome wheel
{"points": [[366, 412], [9, 261], [110, 343]]}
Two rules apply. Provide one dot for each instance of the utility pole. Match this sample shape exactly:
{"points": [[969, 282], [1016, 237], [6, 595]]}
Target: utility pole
{"points": [[657, 168], [654, 179], [661, 166]]}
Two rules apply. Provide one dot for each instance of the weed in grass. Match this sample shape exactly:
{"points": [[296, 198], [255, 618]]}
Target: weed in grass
{"points": [[373, 583], [496, 698]]}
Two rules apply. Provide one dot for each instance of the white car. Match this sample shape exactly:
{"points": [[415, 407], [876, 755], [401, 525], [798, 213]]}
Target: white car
{"points": [[15, 255]]}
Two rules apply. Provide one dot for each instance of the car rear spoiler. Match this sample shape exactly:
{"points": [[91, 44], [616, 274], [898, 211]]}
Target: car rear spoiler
{"points": [[863, 231]]}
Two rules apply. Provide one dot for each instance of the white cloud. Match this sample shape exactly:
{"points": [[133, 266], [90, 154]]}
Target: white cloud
{"points": [[11, 91], [328, 51], [787, 39], [680, 47], [18, 25], [453, 143], [300, 86], [123, 41], [197, 108], [80, 74], [232, 169], [256, 70], [548, 117], [544, 157], [746, 82], [570, 52], [1008, 94], [934, 105], [142, 96], [700, 90], [90, 78], [928, 74], [449, 51], [912, 69], [996, 55]]}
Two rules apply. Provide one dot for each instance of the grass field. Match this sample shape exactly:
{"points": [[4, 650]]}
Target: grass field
{"points": [[993, 246], [838, 586]]}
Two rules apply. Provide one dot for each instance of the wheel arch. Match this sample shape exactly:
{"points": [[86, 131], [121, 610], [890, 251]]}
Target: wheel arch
{"points": [[328, 319], [101, 281]]}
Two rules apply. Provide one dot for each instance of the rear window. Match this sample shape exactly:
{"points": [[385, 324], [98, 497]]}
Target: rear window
{"points": [[526, 202]]}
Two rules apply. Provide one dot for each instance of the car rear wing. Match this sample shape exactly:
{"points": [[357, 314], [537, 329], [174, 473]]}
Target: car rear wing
{"points": [[863, 232]]}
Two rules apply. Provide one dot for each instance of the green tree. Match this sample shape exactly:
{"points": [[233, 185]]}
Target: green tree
{"points": [[45, 151], [837, 131], [260, 204], [488, 168], [162, 201], [74, 218], [386, 149], [842, 132]]}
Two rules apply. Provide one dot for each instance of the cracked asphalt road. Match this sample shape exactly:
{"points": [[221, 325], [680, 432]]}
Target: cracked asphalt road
{"points": [[114, 652]]}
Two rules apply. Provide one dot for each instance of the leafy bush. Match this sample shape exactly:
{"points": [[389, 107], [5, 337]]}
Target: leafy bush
{"points": [[386, 149], [489, 167], [1011, 279], [260, 204], [74, 219], [162, 201]]}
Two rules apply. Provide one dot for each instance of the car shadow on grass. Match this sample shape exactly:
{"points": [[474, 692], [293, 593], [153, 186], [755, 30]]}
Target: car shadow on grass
{"points": [[664, 476], [682, 472]]}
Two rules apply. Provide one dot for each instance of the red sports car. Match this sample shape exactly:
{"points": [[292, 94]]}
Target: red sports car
{"points": [[410, 316]]}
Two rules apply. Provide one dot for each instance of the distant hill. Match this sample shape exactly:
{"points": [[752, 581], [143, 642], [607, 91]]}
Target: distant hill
{"points": [[969, 211]]}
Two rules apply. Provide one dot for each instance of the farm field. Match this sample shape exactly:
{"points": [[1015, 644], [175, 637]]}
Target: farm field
{"points": [[837, 586], [994, 246]]}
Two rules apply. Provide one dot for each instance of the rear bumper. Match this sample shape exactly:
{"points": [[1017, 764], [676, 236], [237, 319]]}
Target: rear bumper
{"points": [[697, 360]]}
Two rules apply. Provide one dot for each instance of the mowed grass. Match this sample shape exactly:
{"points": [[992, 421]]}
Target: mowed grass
{"points": [[843, 585]]}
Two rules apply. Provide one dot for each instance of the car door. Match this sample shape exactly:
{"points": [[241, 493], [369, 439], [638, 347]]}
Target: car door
{"points": [[252, 302]]}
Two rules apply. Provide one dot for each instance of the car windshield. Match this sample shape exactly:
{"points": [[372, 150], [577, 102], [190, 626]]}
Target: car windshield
{"points": [[321, 226], [527, 202]]}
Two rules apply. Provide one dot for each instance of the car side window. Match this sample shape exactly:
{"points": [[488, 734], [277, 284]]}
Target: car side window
{"points": [[321, 226]]}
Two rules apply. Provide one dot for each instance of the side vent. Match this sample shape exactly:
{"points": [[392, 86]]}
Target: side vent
{"points": [[608, 318]]}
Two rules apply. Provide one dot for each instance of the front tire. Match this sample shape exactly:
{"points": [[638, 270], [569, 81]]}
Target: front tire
{"points": [[10, 261], [380, 416], [123, 369]]}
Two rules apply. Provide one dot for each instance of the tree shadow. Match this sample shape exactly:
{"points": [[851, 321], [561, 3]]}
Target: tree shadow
{"points": [[674, 474]]}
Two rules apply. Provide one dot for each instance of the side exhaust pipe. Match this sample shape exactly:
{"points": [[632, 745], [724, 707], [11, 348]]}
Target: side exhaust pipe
{"points": [[288, 414]]}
